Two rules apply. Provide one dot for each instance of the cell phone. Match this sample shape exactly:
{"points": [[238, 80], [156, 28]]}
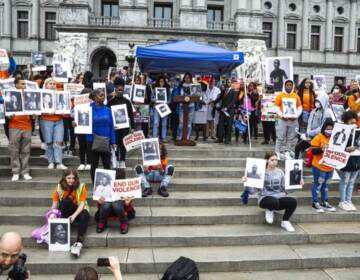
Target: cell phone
{"points": [[103, 262]]}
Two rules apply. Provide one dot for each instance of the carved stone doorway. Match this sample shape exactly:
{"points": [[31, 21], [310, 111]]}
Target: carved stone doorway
{"points": [[101, 60]]}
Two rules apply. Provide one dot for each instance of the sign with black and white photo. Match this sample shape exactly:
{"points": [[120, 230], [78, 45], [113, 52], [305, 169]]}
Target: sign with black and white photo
{"points": [[31, 85], [32, 102], [120, 116], [7, 84], [13, 102], [38, 60], [356, 142], [139, 94], [141, 113], [289, 108], [133, 141], [195, 89], [128, 91], [340, 136], [48, 102], [336, 112], [293, 174], [150, 151], [2, 114], [102, 184], [128, 188], [161, 96], [59, 232], [163, 110], [255, 173], [277, 71], [63, 105], [74, 89], [83, 119], [4, 59], [61, 71], [319, 82]]}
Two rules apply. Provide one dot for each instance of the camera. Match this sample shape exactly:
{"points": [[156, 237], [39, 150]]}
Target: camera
{"points": [[19, 271]]}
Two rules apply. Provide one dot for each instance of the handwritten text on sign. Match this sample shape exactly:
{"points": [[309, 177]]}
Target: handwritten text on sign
{"points": [[133, 140], [122, 189], [82, 99], [335, 159]]}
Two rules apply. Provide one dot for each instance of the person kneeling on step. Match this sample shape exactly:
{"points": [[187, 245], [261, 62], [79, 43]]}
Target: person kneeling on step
{"points": [[273, 196], [120, 209], [70, 198], [160, 173]]}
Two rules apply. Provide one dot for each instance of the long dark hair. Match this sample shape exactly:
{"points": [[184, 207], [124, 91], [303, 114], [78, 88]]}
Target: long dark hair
{"points": [[301, 89], [88, 80], [327, 122], [269, 155], [64, 185], [87, 273]]}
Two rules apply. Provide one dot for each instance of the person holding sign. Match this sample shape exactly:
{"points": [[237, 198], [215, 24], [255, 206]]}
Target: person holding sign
{"points": [[69, 197], [350, 172], [322, 173], [160, 83], [354, 103], [273, 195], [287, 125], [307, 97]]}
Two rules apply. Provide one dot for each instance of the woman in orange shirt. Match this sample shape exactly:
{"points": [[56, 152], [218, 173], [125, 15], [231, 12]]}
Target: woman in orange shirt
{"points": [[307, 98]]}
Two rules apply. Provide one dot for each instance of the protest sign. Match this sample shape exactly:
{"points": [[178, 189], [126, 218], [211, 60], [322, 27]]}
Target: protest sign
{"points": [[163, 110], [13, 100], [141, 113], [32, 102], [7, 84], [74, 89], [336, 112], [63, 105], [102, 184], [139, 94], [38, 60], [128, 188], [4, 59], [268, 108], [335, 159], [160, 95], [2, 114], [289, 108], [133, 140], [83, 119], [356, 142], [255, 173], [150, 152], [62, 71], [120, 116], [48, 101], [128, 91], [31, 85], [319, 82], [82, 99], [340, 136], [59, 233], [277, 71], [293, 174]]}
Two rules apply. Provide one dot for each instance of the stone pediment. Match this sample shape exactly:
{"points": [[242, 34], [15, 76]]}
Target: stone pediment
{"points": [[293, 16], [269, 15], [50, 3], [317, 18], [22, 3], [341, 19]]}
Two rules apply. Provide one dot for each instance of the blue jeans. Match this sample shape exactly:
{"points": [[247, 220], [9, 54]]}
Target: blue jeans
{"points": [[155, 176], [189, 126], [346, 186], [155, 125], [320, 184], [53, 133]]}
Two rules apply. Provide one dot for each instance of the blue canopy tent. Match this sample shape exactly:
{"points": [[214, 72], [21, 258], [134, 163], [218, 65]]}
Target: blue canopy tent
{"points": [[187, 56]]}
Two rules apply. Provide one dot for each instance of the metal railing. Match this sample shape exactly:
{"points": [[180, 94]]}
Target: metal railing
{"points": [[104, 21], [222, 25], [162, 23]]}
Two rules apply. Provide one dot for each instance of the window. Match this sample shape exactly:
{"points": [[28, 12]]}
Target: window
{"points": [[315, 37], [110, 8], [340, 80], [268, 30], [50, 21], [338, 39], [163, 11], [358, 41], [23, 24], [316, 9], [215, 14], [291, 36], [268, 5], [292, 7]]}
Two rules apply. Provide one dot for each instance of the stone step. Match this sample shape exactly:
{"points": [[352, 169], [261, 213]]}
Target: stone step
{"points": [[206, 235], [208, 259], [191, 198], [188, 215]]}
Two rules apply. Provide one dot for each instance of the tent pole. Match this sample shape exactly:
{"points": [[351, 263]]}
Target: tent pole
{"points": [[134, 70], [247, 112]]}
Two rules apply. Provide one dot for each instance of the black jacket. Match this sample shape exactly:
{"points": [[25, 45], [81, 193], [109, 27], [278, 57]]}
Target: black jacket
{"points": [[117, 100], [354, 161], [228, 99]]}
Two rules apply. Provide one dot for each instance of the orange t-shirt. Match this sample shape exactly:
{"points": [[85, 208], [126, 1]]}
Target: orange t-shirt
{"points": [[83, 195], [281, 95], [164, 163], [308, 103], [319, 141], [355, 106], [21, 122]]}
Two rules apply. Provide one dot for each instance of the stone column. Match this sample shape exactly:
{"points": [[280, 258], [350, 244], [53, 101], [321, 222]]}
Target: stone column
{"points": [[186, 3], [7, 18], [281, 26], [329, 27], [352, 31], [305, 25], [35, 19]]}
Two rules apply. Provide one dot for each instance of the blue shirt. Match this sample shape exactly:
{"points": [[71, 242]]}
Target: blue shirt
{"points": [[102, 123]]}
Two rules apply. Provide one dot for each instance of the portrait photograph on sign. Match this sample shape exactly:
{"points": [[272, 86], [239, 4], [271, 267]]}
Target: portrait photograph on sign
{"points": [[289, 108], [277, 71], [61, 71], [7, 84], [32, 102], [150, 151], [31, 85], [356, 142], [38, 60], [163, 110], [120, 116], [128, 91], [83, 119], [48, 102], [293, 174], [340, 136], [255, 173], [336, 112], [319, 82], [141, 113], [2, 114], [161, 96], [195, 89], [102, 184], [62, 104], [13, 101], [139, 94], [59, 232]]}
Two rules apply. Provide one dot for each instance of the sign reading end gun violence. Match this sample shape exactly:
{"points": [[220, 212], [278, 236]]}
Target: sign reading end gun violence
{"points": [[133, 140], [129, 188], [335, 159]]}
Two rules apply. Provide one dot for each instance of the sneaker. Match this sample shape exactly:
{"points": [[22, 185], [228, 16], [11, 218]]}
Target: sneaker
{"points": [[27, 177], [61, 166], [81, 167], [76, 249], [146, 192], [328, 207], [51, 166], [124, 228], [351, 206], [317, 207], [269, 216], [15, 177], [122, 165], [287, 226], [100, 227], [163, 192], [43, 146], [87, 167], [344, 206]]}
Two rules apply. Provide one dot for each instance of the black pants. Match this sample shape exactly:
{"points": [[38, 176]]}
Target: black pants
{"points": [[273, 203], [121, 151], [95, 156], [145, 129], [6, 127], [224, 127], [84, 152], [301, 147], [67, 208], [174, 124], [201, 127], [116, 207], [69, 133], [253, 121], [269, 131]]}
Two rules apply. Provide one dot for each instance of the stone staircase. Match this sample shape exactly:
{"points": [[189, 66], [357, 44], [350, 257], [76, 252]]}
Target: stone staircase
{"points": [[202, 219]]}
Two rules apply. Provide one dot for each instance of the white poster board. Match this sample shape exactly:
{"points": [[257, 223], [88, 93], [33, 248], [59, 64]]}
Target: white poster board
{"points": [[59, 235], [160, 95], [289, 108], [255, 173], [356, 142], [32, 102], [74, 89], [82, 99], [133, 141], [13, 100], [38, 60], [61, 70], [336, 112], [195, 89], [277, 71], [163, 110], [293, 174], [102, 184], [63, 104], [340, 136], [7, 84], [139, 94], [150, 152], [128, 91], [4, 59], [319, 82], [128, 188], [120, 116], [2, 114], [334, 158], [83, 119], [31, 85], [48, 101]]}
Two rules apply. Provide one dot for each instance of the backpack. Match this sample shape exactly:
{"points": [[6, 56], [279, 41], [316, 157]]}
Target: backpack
{"points": [[182, 269], [309, 157]]}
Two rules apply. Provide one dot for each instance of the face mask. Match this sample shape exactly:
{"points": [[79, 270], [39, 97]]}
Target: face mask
{"points": [[328, 132], [317, 105]]}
